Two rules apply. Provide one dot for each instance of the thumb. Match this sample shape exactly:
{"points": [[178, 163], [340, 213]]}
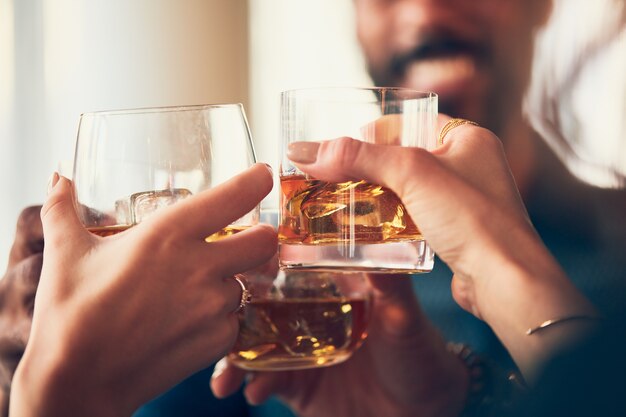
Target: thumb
{"points": [[347, 159], [60, 221]]}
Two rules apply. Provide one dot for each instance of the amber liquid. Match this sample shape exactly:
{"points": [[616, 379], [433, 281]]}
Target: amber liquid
{"points": [[105, 231], [299, 333], [319, 212]]}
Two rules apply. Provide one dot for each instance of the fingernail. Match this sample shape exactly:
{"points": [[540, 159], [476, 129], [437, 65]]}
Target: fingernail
{"points": [[219, 368], [269, 168], [303, 152], [54, 179]]}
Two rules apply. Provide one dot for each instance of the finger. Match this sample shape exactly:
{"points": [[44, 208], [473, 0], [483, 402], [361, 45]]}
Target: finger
{"points": [[347, 159], [243, 251], [442, 119], [28, 235], [212, 210], [385, 130], [268, 269], [266, 384], [398, 310], [226, 378], [61, 225], [463, 146]]}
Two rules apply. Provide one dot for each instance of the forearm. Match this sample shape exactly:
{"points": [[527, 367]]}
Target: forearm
{"points": [[44, 387], [524, 291]]}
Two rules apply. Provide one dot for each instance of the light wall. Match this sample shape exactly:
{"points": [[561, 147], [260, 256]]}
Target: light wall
{"points": [[59, 58], [295, 44]]}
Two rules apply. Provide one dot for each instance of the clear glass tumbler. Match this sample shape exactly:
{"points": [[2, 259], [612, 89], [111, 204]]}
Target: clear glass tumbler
{"points": [[130, 163], [301, 319], [353, 225]]}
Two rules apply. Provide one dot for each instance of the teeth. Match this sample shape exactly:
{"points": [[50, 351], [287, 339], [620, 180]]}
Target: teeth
{"points": [[442, 70]]}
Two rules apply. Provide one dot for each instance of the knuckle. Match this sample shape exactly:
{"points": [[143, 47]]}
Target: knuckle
{"points": [[52, 208], [159, 237], [265, 179], [346, 151], [419, 164], [475, 139], [268, 242], [491, 140]]}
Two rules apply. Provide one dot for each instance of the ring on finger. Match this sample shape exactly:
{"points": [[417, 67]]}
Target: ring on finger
{"points": [[452, 123], [246, 295]]}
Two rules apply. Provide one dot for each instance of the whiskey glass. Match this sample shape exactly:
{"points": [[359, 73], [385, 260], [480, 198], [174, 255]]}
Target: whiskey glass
{"points": [[130, 163], [354, 225], [301, 319]]}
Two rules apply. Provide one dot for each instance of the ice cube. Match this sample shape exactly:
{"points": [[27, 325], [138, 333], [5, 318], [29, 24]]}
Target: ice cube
{"points": [[356, 209], [143, 204], [122, 211]]}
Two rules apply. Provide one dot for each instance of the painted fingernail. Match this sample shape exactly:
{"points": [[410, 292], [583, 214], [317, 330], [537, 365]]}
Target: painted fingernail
{"points": [[54, 179], [303, 152], [219, 368]]}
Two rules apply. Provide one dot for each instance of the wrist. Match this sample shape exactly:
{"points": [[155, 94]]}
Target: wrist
{"points": [[512, 271], [45, 385], [526, 294]]}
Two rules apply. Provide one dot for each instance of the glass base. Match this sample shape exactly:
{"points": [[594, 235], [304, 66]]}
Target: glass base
{"points": [[288, 363], [393, 257]]}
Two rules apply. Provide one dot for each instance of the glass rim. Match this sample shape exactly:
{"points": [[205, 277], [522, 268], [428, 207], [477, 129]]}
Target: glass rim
{"points": [[419, 94], [161, 109]]}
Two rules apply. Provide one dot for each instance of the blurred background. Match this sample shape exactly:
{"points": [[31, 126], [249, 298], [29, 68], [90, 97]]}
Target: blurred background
{"points": [[59, 58]]}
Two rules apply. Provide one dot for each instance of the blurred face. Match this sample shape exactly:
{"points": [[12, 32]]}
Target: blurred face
{"points": [[474, 53]]}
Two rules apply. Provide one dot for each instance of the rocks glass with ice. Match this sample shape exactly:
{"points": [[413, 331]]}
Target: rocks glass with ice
{"points": [[301, 319], [353, 225], [130, 163]]}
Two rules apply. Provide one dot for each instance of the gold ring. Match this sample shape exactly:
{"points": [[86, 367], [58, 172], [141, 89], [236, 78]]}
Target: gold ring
{"points": [[246, 295], [452, 123]]}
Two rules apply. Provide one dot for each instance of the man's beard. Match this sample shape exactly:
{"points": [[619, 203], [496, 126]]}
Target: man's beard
{"points": [[440, 44]]}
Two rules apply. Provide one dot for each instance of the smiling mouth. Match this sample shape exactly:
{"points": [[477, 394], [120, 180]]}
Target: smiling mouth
{"points": [[439, 63], [441, 73]]}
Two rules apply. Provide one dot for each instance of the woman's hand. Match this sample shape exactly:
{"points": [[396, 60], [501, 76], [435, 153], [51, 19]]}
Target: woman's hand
{"points": [[119, 320], [463, 198], [453, 193], [402, 369]]}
